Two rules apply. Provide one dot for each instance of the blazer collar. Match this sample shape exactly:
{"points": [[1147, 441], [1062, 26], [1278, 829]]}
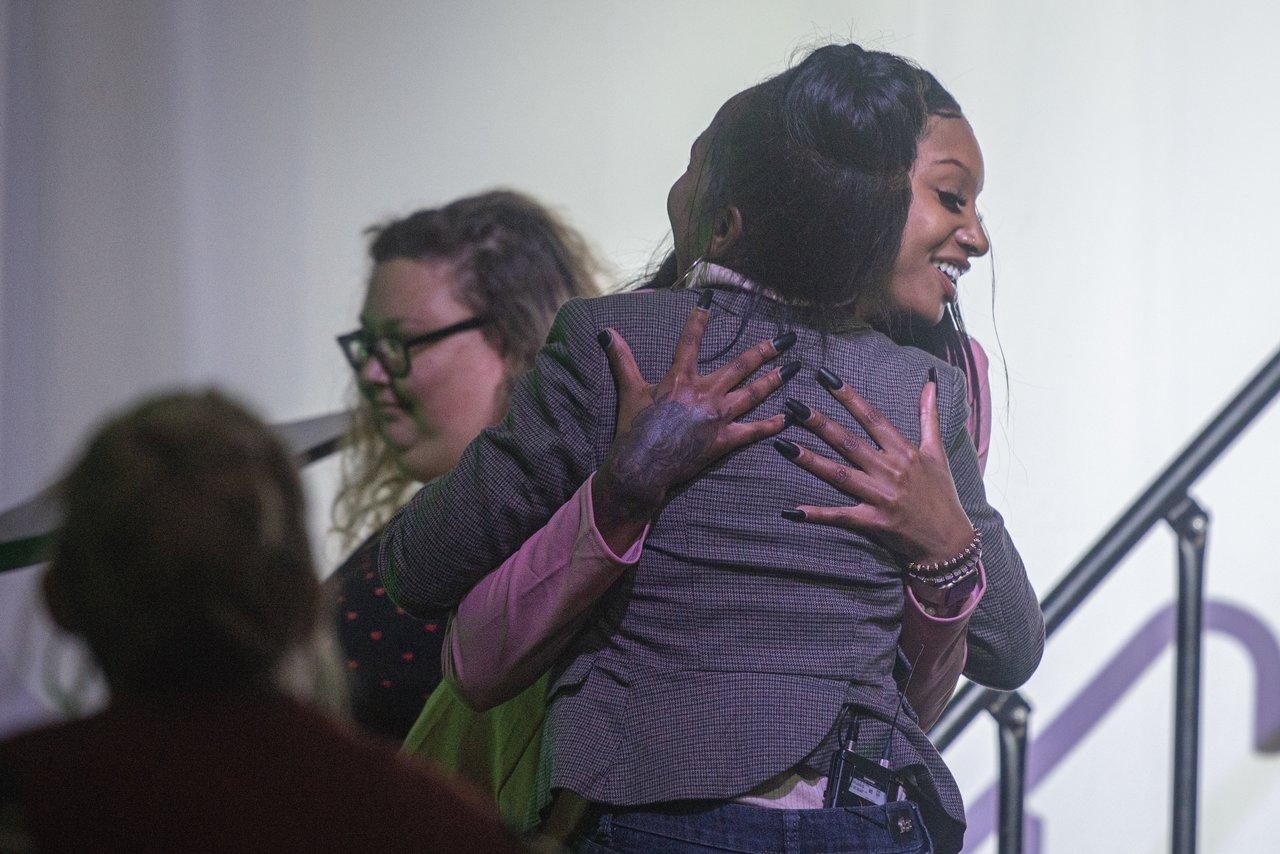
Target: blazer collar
{"points": [[707, 274]]}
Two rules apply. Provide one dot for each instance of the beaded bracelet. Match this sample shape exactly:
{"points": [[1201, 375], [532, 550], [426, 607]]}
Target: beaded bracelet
{"points": [[947, 580], [940, 567]]}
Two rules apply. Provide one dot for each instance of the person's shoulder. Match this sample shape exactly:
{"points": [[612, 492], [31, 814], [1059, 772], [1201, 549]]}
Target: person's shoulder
{"points": [[362, 560], [886, 364], [471, 815], [18, 749], [13, 810], [296, 732], [893, 356], [413, 797], [622, 310], [645, 300], [35, 741], [365, 555], [63, 749]]}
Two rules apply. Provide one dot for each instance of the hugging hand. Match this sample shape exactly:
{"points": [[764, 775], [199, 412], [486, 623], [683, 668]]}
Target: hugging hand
{"points": [[907, 496], [669, 431]]}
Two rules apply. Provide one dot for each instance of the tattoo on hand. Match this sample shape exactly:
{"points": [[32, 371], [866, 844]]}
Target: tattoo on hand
{"points": [[666, 443]]}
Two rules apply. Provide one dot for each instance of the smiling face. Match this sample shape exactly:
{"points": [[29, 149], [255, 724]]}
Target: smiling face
{"points": [[456, 387], [943, 230]]}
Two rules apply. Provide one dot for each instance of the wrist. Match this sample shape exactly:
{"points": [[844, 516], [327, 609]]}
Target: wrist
{"points": [[621, 515], [953, 541], [617, 499], [950, 571]]}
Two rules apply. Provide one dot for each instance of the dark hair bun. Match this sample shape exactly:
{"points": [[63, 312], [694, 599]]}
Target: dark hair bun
{"points": [[817, 160], [859, 108]]}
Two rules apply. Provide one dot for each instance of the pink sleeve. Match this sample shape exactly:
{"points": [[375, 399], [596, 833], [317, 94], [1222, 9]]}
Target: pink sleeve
{"points": [[937, 646], [981, 432], [509, 629]]}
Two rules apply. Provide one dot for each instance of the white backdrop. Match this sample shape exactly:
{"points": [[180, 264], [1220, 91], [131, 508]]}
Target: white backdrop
{"points": [[185, 184]]}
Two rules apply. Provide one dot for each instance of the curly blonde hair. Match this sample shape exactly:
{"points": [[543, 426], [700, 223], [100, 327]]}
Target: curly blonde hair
{"points": [[516, 262]]}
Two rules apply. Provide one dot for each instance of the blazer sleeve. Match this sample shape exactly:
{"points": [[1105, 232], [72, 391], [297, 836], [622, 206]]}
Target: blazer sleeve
{"points": [[510, 480], [517, 620], [1006, 630]]}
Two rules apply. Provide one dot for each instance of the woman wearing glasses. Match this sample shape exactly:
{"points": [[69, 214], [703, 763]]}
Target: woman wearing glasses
{"points": [[458, 304]]}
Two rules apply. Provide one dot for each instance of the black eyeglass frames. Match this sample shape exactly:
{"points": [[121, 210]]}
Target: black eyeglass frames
{"points": [[391, 351]]}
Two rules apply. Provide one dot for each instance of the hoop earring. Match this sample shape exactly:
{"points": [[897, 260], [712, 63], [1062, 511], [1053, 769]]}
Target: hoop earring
{"points": [[691, 277]]}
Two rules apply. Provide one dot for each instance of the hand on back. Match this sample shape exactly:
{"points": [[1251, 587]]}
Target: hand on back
{"points": [[669, 431], [905, 496]]}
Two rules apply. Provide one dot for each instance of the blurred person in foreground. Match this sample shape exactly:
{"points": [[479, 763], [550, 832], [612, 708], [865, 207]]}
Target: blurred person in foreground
{"points": [[183, 562]]}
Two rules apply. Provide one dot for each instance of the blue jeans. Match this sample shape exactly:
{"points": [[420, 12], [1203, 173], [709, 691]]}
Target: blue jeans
{"points": [[699, 828]]}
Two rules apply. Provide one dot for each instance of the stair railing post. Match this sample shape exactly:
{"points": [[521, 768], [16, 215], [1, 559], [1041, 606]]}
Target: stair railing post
{"points": [[1012, 713], [1191, 524]]}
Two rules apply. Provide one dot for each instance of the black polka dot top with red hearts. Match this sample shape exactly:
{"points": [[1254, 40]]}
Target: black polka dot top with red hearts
{"points": [[392, 658]]}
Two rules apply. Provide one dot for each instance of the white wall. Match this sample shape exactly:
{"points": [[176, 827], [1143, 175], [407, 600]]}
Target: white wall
{"points": [[186, 182]]}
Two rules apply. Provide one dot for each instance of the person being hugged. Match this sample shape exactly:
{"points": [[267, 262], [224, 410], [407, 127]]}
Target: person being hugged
{"points": [[704, 697]]}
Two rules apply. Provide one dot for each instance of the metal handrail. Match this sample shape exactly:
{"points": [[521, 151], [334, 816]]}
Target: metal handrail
{"points": [[26, 530], [1155, 502]]}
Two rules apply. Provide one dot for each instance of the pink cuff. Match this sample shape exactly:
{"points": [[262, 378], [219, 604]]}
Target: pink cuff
{"points": [[962, 614], [517, 620], [938, 650]]}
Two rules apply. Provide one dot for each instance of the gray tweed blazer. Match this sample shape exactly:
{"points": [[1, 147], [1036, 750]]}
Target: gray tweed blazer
{"points": [[724, 658]]}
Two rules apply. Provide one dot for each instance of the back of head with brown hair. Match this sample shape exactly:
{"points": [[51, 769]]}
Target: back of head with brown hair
{"points": [[183, 558]]}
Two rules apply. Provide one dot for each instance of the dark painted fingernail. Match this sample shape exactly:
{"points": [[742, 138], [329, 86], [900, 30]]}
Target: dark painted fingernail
{"points": [[794, 515], [933, 375], [784, 341], [829, 379], [790, 450], [705, 298], [799, 410], [789, 371], [788, 420], [604, 339]]}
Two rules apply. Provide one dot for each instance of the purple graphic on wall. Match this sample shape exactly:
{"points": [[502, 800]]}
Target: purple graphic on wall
{"points": [[1105, 690]]}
